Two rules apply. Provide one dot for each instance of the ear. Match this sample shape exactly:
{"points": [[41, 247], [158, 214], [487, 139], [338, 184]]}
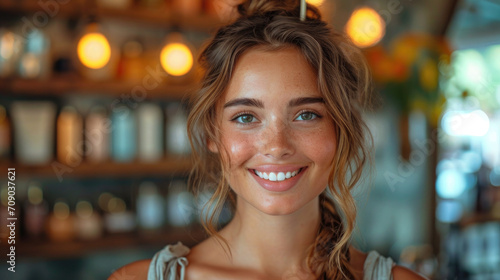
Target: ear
{"points": [[212, 147]]}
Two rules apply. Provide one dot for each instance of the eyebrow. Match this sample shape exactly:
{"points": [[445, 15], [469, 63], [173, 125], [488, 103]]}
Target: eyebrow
{"points": [[251, 102], [245, 102], [305, 100]]}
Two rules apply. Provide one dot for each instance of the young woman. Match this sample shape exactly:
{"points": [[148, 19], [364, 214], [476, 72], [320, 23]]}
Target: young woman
{"points": [[277, 132]]}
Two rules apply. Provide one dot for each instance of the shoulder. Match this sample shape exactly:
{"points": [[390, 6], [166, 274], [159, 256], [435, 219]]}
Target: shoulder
{"points": [[137, 270], [377, 266], [357, 262], [403, 273]]}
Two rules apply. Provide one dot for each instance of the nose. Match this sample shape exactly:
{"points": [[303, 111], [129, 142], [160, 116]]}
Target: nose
{"points": [[277, 140]]}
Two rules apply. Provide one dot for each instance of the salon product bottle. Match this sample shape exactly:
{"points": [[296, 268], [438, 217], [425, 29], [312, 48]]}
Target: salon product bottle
{"points": [[472, 256], [150, 205], [103, 201], [176, 134], [34, 61], [69, 137], [123, 136], [60, 223], [11, 47], [4, 134], [131, 65], [491, 234], [97, 131], [150, 132], [88, 223], [181, 209], [36, 211], [118, 218], [33, 123]]}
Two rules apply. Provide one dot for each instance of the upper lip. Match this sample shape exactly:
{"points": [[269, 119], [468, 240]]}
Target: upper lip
{"points": [[277, 168]]}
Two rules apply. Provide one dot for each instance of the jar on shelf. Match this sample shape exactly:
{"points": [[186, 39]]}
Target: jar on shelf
{"points": [[118, 218], [97, 131], [35, 61], [177, 142], [11, 47], [36, 210], [132, 62], [33, 123], [60, 223], [88, 223], [123, 135], [181, 209], [150, 207], [150, 132], [69, 137]]}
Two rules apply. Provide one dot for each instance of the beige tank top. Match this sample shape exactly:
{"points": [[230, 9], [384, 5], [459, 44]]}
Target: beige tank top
{"points": [[169, 260]]}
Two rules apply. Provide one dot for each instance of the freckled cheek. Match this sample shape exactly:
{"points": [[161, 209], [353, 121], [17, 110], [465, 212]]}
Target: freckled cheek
{"points": [[240, 148], [319, 146]]}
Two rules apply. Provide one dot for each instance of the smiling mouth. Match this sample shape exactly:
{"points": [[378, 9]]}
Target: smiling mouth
{"points": [[277, 176]]}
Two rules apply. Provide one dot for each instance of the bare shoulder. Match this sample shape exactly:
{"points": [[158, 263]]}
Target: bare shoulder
{"points": [[403, 273], [357, 262], [137, 270], [358, 259]]}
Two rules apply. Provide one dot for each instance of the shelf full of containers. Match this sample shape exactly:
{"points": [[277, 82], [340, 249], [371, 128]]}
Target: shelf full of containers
{"points": [[92, 118]]}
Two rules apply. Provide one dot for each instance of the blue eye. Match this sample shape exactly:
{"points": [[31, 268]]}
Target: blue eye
{"points": [[307, 116], [245, 119]]}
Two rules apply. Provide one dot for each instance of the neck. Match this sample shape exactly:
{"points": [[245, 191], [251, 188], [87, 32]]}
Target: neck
{"points": [[272, 244]]}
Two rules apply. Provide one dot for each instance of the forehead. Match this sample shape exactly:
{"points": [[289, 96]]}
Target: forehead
{"points": [[283, 72]]}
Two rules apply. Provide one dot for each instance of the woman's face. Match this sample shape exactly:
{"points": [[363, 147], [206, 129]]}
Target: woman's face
{"points": [[276, 130]]}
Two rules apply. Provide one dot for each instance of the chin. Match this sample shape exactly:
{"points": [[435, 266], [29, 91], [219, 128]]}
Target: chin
{"points": [[279, 206]]}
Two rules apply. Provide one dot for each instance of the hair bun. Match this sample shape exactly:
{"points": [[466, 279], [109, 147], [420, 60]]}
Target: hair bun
{"points": [[255, 7]]}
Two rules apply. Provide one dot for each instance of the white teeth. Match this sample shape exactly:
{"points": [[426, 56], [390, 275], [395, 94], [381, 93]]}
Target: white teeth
{"points": [[277, 176], [281, 176], [272, 176]]}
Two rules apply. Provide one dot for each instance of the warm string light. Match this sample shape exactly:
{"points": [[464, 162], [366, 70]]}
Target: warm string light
{"points": [[176, 59], [365, 27], [94, 50]]}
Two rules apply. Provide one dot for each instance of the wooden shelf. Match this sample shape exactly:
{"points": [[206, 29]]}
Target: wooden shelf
{"points": [[170, 166], [160, 16], [60, 86], [479, 219], [45, 249]]}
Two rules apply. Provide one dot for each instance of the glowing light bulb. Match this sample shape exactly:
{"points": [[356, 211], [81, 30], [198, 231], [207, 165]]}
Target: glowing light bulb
{"points": [[94, 50], [176, 59], [365, 27]]}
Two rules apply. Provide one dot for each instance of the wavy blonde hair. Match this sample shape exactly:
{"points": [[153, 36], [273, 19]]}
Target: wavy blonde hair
{"points": [[344, 82]]}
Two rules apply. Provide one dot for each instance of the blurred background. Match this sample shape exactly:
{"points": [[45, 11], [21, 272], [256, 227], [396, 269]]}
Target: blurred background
{"points": [[93, 114]]}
